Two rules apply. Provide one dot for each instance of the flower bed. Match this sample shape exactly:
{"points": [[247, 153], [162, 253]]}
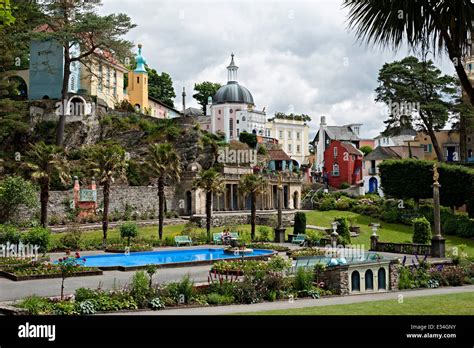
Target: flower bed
{"points": [[276, 264], [268, 246], [305, 252]]}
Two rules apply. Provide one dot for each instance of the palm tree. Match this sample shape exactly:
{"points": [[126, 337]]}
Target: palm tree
{"points": [[163, 162], [210, 181], [45, 161], [254, 185], [445, 25], [107, 162]]}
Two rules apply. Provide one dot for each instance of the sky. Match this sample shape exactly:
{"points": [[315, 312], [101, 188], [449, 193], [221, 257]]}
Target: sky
{"points": [[293, 56]]}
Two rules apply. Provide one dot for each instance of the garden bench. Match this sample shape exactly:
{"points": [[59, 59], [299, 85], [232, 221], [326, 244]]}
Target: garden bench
{"points": [[182, 240], [234, 235], [216, 238], [299, 239]]}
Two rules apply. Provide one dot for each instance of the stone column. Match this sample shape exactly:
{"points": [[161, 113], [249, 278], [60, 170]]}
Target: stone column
{"points": [[231, 197], [279, 230], [438, 241]]}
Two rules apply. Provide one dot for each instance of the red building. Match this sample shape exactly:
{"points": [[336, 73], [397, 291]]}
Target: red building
{"points": [[342, 164]]}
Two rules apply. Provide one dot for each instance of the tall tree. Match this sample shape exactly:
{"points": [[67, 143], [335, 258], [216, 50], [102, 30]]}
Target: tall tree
{"points": [[108, 163], [43, 162], [76, 22], [164, 163], [254, 185], [210, 181], [418, 96], [205, 90], [161, 87], [445, 25]]}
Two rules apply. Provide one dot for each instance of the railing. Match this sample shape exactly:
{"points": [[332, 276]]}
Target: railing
{"points": [[403, 248]]}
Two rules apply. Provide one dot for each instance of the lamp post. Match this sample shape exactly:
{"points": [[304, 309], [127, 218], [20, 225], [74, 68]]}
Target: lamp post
{"points": [[279, 230], [438, 241]]}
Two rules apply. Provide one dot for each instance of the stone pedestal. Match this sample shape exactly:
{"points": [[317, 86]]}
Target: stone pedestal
{"points": [[279, 234], [438, 246]]}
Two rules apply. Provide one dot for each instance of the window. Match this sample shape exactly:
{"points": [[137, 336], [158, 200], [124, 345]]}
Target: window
{"points": [[369, 280], [427, 147], [298, 148], [281, 134], [335, 152], [73, 83], [107, 78], [243, 118], [231, 111], [238, 132], [231, 127], [289, 134], [238, 121], [335, 170], [381, 279], [138, 79], [355, 281], [297, 135], [289, 148], [101, 73], [219, 112]]}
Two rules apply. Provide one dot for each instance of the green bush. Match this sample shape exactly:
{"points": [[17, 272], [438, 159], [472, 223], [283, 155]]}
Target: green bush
{"points": [[264, 234], [327, 203], [245, 292], [140, 287], [421, 231], [9, 233], [38, 236], [300, 223], [303, 280], [391, 216], [36, 305], [73, 239], [14, 193], [344, 186], [344, 203], [218, 299], [343, 230], [128, 230]]}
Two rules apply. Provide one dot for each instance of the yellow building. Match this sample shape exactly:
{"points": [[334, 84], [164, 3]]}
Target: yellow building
{"points": [[448, 141]]}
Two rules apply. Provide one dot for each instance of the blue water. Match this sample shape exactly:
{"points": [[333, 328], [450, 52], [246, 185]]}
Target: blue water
{"points": [[164, 257]]}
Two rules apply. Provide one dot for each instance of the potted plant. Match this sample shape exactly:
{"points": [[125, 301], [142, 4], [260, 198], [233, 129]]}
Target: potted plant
{"points": [[352, 227]]}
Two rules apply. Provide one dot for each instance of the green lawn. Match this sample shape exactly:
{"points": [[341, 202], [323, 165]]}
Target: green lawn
{"points": [[388, 233], [452, 304]]}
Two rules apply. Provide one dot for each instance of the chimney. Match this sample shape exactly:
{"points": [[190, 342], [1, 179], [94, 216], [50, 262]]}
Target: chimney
{"points": [[184, 99]]}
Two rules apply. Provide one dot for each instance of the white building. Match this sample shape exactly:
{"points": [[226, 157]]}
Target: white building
{"points": [[292, 135], [232, 108]]}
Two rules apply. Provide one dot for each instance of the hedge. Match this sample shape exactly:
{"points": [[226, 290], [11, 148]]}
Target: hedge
{"points": [[421, 231], [300, 223], [411, 178]]}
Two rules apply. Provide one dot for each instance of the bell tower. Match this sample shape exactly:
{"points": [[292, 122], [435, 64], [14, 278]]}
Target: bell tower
{"points": [[137, 89]]}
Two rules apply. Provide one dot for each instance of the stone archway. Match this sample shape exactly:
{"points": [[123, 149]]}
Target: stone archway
{"points": [[77, 106], [21, 87]]}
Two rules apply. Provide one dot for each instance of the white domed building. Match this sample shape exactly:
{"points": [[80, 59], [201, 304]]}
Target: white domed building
{"points": [[232, 109]]}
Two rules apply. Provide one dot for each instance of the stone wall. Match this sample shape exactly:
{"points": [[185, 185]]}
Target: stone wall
{"points": [[336, 279], [394, 274], [268, 218]]}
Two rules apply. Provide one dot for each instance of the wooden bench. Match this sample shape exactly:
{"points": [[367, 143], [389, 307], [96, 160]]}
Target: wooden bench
{"points": [[179, 240]]}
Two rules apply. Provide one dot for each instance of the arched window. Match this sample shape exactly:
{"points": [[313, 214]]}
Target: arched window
{"points": [[369, 280], [243, 118], [355, 281], [382, 278], [335, 170]]}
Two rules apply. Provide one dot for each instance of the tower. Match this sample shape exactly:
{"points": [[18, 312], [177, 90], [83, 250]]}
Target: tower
{"points": [[232, 71], [137, 89], [184, 98]]}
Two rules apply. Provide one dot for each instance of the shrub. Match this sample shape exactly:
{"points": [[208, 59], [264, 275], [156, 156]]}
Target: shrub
{"points": [[139, 288], [421, 231], [38, 236], [390, 215], [83, 294], [344, 186], [344, 203], [36, 305], [128, 230], [300, 223], [14, 193], [246, 292], [86, 307], [72, 239], [327, 203], [263, 234], [156, 304], [171, 215], [218, 299], [303, 280], [343, 230], [9, 233], [169, 241]]}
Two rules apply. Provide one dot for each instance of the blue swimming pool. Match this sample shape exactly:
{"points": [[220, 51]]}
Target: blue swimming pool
{"points": [[198, 256]]}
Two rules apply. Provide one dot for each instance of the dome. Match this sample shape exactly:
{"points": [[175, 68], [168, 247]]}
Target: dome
{"points": [[233, 93], [140, 61]]}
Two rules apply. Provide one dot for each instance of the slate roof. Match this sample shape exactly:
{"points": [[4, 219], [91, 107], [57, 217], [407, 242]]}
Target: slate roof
{"points": [[278, 155], [192, 112], [350, 148], [382, 153]]}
